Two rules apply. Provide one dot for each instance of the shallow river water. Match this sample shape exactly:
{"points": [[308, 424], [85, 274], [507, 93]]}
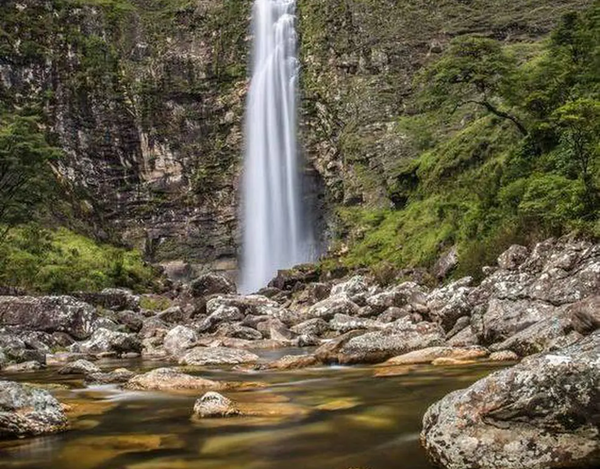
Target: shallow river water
{"points": [[333, 418]]}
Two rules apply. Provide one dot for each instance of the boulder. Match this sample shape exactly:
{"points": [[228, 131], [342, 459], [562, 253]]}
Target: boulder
{"points": [[291, 362], [130, 319], [237, 331], [513, 257], [375, 347], [211, 284], [355, 286], [250, 304], [503, 356], [172, 315], [213, 404], [344, 323], [275, 329], [428, 355], [393, 313], [115, 299], [405, 294], [24, 367], [446, 263], [448, 304], [315, 326], [79, 367], [49, 314], [328, 308], [118, 376], [29, 411], [540, 414], [168, 379], [103, 341], [301, 274], [203, 356], [179, 339]]}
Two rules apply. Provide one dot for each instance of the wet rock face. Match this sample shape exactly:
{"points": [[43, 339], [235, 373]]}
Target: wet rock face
{"points": [[48, 314], [141, 148], [543, 413], [28, 411]]}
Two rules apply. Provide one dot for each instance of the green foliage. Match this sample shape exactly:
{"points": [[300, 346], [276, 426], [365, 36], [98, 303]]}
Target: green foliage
{"points": [[154, 303], [479, 184], [62, 261], [25, 167]]}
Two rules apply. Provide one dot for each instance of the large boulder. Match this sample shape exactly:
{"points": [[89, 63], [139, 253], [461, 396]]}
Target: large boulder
{"points": [[203, 356], [49, 314], [257, 305], [104, 340], [211, 284], [29, 411], [115, 299], [540, 414], [375, 347], [406, 294]]}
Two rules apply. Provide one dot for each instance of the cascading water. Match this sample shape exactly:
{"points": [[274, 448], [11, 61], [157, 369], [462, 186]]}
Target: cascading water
{"points": [[276, 234]]}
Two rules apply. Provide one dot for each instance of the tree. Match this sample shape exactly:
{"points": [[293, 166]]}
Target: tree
{"points": [[579, 127], [25, 157], [473, 70]]}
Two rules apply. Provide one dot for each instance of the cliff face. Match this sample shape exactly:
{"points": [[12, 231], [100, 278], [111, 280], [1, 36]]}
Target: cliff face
{"points": [[146, 98], [360, 59]]}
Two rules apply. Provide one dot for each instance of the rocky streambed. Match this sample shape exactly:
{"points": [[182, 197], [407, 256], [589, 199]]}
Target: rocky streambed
{"points": [[313, 372]]}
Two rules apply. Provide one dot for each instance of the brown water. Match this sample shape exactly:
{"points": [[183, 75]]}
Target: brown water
{"points": [[336, 418]]}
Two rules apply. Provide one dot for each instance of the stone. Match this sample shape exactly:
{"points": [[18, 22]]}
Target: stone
{"points": [[448, 304], [288, 279], [503, 356], [376, 347], [168, 379], [249, 304], [79, 367], [211, 284], [343, 323], [172, 315], [464, 338], [203, 356], [428, 355], [450, 361], [29, 411], [407, 293], [540, 414], [48, 314], [328, 308], [237, 331], [446, 263], [513, 257], [355, 286], [213, 404], [104, 340], [275, 329], [223, 313], [118, 376], [291, 362], [393, 313], [315, 326], [24, 367], [115, 299], [179, 339]]}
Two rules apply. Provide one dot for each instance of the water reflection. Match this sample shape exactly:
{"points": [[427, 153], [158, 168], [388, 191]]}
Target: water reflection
{"points": [[328, 418]]}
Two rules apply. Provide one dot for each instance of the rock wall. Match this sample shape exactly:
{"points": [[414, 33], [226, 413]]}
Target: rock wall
{"points": [[146, 98]]}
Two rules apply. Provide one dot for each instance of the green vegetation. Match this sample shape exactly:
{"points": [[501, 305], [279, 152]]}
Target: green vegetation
{"points": [[60, 261], [517, 158]]}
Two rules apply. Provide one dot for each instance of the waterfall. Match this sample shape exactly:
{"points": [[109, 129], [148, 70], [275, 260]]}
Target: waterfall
{"points": [[276, 233]]}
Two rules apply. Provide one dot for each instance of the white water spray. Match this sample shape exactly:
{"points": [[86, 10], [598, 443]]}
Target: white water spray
{"points": [[276, 235]]}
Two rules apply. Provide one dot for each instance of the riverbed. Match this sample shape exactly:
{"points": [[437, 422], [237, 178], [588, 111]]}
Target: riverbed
{"points": [[330, 417]]}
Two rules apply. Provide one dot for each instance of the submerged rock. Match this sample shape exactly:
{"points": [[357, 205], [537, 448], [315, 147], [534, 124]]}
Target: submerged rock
{"points": [[540, 414], [25, 366], [202, 356], [118, 376], [213, 404], [168, 379], [29, 411]]}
